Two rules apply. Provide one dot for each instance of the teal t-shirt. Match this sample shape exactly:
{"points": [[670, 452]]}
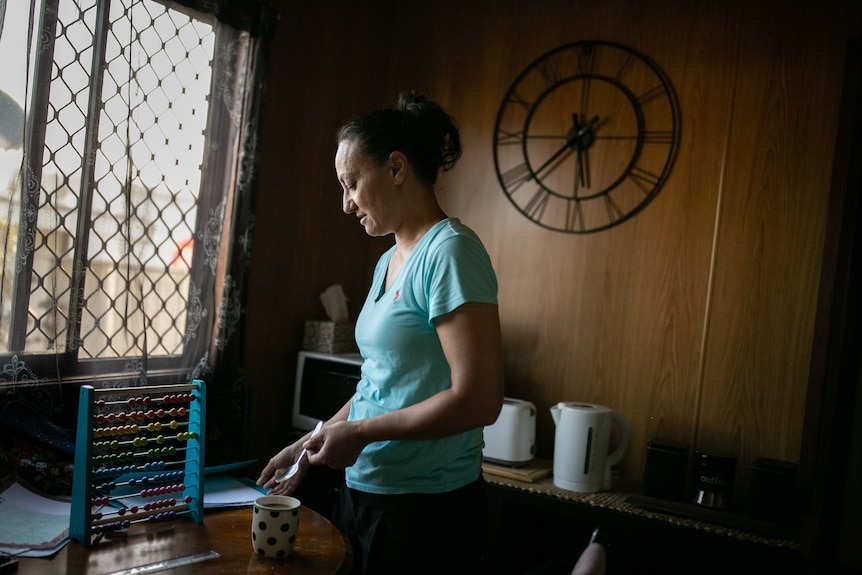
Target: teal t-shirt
{"points": [[404, 362]]}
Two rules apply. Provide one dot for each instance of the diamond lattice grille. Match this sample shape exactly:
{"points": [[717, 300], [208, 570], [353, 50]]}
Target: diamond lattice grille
{"points": [[125, 174]]}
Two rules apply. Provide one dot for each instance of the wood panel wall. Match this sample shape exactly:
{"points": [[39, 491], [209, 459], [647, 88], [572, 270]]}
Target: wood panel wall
{"points": [[694, 319]]}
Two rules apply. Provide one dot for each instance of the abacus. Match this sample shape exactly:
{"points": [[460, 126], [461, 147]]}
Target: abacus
{"points": [[153, 439]]}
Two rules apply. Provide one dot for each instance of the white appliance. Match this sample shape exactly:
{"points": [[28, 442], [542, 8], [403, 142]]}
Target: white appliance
{"points": [[581, 459], [324, 383], [511, 440]]}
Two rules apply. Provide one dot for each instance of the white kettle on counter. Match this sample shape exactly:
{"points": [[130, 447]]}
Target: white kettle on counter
{"points": [[581, 459]]}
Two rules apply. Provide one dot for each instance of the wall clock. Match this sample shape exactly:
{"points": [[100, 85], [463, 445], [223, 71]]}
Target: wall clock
{"points": [[586, 136]]}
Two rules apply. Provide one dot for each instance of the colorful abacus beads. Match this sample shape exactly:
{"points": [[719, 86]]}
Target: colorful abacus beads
{"points": [[112, 458], [164, 490], [107, 486], [105, 472], [107, 445], [162, 516], [109, 527], [145, 493], [138, 401], [118, 430], [145, 401], [178, 398], [102, 418], [130, 429], [161, 452], [160, 504]]}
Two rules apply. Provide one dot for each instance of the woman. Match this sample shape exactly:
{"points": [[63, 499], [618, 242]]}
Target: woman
{"points": [[429, 333]]}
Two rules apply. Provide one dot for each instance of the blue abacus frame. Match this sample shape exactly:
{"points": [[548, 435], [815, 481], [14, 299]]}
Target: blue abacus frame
{"points": [[81, 520]]}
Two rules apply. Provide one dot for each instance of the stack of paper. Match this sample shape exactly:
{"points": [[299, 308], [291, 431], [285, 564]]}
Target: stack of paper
{"points": [[32, 525]]}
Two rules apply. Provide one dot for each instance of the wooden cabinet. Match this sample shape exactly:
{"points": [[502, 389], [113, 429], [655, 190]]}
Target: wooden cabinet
{"points": [[532, 529]]}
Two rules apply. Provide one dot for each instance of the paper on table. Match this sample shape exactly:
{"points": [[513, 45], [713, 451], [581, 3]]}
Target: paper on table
{"points": [[219, 491], [32, 525], [227, 491], [30, 521]]}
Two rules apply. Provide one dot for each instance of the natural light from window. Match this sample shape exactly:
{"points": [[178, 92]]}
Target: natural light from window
{"points": [[126, 179]]}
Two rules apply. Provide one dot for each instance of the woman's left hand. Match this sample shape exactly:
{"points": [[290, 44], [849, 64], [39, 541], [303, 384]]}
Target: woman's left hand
{"points": [[338, 445]]}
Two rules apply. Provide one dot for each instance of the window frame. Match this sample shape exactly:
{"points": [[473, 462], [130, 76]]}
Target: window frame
{"points": [[215, 195]]}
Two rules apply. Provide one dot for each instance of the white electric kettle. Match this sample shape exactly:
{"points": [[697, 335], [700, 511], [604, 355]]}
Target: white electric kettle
{"points": [[581, 459]]}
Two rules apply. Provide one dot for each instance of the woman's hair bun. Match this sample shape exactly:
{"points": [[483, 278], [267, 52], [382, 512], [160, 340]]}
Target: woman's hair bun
{"points": [[418, 127]]}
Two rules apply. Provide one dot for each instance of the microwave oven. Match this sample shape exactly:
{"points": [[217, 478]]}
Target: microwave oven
{"points": [[324, 383]]}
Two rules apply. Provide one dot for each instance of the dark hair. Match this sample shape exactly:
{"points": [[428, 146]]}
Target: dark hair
{"points": [[417, 127]]}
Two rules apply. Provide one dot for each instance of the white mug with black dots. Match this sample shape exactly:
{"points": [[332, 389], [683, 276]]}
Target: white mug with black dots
{"points": [[274, 524]]}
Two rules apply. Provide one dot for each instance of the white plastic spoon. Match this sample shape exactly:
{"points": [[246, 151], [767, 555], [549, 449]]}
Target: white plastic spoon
{"points": [[291, 471]]}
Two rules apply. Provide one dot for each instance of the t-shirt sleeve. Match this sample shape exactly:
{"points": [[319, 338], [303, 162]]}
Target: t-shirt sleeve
{"points": [[460, 272]]}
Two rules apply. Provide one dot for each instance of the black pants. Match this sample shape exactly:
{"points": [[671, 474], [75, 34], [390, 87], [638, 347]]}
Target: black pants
{"points": [[414, 533]]}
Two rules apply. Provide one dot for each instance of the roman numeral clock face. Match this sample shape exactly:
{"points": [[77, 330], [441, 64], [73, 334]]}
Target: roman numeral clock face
{"points": [[586, 136]]}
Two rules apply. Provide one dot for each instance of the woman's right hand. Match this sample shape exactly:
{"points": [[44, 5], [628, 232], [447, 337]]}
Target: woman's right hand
{"points": [[278, 465]]}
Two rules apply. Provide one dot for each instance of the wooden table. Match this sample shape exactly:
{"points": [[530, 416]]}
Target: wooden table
{"points": [[319, 548]]}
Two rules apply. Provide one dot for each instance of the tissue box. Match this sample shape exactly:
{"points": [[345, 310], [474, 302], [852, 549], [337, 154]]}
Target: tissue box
{"points": [[329, 337]]}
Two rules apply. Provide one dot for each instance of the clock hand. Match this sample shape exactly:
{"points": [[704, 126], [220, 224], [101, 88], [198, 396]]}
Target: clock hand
{"points": [[571, 140], [566, 147], [580, 170], [586, 127], [572, 143], [581, 144]]}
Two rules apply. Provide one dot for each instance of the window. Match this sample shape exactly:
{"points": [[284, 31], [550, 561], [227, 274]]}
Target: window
{"points": [[118, 158]]}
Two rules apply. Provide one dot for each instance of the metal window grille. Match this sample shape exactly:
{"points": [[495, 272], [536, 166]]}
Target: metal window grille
{"points": [[99, 225]]}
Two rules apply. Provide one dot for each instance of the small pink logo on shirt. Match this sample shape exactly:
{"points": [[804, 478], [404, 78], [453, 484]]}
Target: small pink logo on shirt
{"points": [[397, 295]]}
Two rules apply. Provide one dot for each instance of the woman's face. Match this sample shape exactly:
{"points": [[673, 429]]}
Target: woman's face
{"points": [[368, 190]]}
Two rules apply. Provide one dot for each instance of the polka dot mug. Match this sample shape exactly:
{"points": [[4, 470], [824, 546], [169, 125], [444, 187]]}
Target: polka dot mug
{"points": [[274, 524]]}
